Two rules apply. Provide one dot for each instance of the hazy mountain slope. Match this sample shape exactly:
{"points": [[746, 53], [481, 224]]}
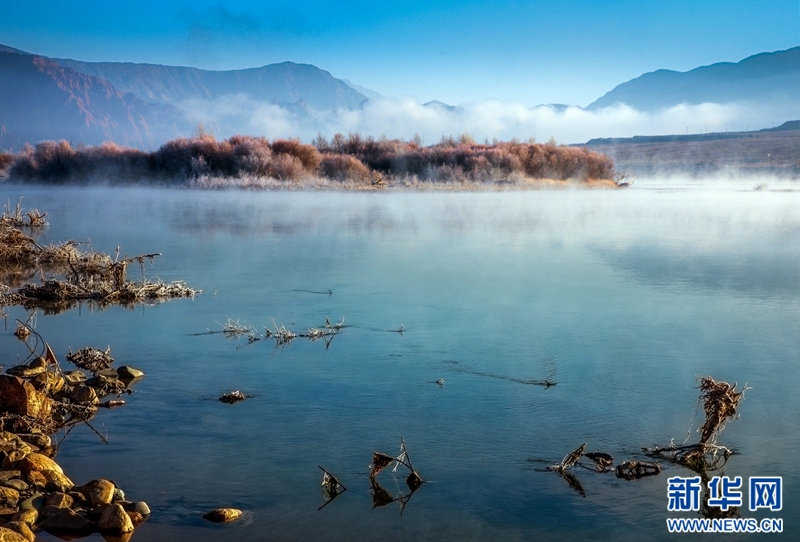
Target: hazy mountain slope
{"points": [[286, 82], [369, 93], [39, 99], [764, 78]]}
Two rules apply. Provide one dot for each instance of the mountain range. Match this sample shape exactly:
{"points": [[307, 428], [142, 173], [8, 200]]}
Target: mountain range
{"points": [[762, 78], [143, 105]]}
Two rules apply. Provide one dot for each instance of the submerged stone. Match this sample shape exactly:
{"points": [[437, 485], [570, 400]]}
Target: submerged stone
{"points": [[222, 515], [139, 507]]}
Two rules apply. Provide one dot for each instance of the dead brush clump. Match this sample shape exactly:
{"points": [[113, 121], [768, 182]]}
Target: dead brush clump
{"points": [[91, 359], [720, 402], [107, 283], [17, 248], [33, 218], [76, 275]]}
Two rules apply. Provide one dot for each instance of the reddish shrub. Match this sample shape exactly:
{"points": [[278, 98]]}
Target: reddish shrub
{"points": [[6, 159], [343, 167], [285, 167], [308, 155], [351, 157]]}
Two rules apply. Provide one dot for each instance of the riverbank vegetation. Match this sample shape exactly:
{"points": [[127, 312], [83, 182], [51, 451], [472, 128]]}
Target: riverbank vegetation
{"points": [[344, 162], [69, 273]]}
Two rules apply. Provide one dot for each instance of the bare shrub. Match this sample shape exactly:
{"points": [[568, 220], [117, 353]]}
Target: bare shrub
{"points": [[308, 155], [285, 167], [343, 167], [6, 159]]}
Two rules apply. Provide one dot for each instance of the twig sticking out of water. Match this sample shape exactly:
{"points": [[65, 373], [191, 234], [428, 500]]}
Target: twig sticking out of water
{"points": [[381, 460], [720, 402], [315, 333], [232, 329], [334, 327], [331, 488], [329, 480], [16, 219], [280, 334], [570, 459]]}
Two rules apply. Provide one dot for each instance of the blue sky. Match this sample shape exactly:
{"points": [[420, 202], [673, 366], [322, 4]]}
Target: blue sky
{"points": [[567, 51]]}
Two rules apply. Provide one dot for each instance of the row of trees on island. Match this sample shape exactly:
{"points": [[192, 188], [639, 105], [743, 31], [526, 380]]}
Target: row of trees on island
{"points": [[352, 158]]}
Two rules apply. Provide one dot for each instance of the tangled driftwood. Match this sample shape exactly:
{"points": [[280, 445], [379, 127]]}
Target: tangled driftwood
{"points": [[720, 403]]}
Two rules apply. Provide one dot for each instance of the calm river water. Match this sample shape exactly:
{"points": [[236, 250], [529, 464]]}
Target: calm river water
{"points": [[620, 298]]}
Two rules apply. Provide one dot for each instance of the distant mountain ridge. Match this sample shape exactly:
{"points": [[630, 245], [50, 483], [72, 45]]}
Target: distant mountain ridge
{"points": [[286, 82], [765, 77], [74, 106], [143, 105]]}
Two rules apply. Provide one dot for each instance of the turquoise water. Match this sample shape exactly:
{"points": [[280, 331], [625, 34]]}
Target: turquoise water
{"points": [[620, 298]]}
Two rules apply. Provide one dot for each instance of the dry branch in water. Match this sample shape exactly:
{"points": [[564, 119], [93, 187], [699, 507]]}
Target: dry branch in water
{"points": [[570, 459], [720, 402], [91, 359], [381, 460]]}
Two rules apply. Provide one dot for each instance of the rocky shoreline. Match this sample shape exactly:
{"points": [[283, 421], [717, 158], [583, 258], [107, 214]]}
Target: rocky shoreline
{"points": [[37, 399]]}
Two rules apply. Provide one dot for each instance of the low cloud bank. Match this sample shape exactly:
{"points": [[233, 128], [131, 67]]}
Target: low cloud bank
{"points": [[405, 117]]}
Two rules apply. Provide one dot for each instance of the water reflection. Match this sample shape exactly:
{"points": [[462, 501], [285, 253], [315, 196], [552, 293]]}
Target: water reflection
{"points": [[383, 497], [752, 272]]}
